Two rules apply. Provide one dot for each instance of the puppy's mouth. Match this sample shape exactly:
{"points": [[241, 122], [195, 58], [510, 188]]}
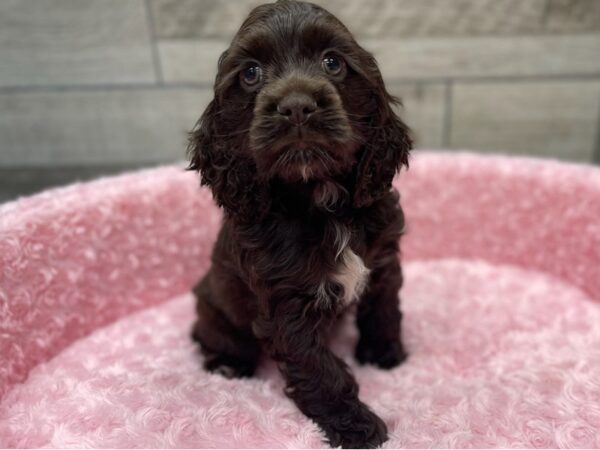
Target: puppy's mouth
{"points": [[299, 138], [315, 150], [302, 163]]}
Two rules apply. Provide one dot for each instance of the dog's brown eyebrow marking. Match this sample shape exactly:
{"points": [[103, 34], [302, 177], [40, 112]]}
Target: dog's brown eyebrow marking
{"points": [[257, 45], [264, 44], [318, 36]]}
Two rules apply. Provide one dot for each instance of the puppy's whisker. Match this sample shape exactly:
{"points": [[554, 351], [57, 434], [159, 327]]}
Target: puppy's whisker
{"points": [[234, 133], [360, 116], [368, 127]]}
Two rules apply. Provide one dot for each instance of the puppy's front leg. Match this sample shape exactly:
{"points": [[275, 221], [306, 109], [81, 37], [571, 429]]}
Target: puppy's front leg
{"points": [[378, 316], [316, 380]]}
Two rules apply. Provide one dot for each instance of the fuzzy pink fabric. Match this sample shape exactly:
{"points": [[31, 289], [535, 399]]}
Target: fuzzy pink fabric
{"points": [[502, 316]]}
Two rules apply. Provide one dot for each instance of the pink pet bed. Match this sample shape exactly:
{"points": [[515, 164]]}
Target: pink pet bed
{"points": [[501, 303]]}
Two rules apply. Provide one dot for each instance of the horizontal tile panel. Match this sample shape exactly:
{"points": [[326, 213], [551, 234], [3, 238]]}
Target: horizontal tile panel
{"points": [[487, 56], [200, 18], [74, 42], [572, 16], [406, 18], [104, 127], [385, 18], [190, 61], [423, 111], [394, 18], [144, 124], [432, 58], [553, 119]]}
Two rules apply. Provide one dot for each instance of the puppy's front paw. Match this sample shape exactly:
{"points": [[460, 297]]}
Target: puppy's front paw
{"points": [[386, 354], [228, 366], [357, 428]]}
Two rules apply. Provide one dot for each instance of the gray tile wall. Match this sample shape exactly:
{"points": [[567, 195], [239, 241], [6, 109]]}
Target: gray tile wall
{"points": [[91, 86]]}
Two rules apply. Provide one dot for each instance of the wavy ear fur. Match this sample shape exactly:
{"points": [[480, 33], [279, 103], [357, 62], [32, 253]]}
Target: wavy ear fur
{"points": [[385, 152], [225, 168]]}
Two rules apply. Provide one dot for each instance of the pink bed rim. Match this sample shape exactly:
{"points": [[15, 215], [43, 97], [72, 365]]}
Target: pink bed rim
{"points": [[501, 304]]}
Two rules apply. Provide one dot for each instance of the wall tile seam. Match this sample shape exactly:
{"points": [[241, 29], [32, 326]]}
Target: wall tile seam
{"points": [[226, 39], [447, 115], [596, 155], [152, 36]]}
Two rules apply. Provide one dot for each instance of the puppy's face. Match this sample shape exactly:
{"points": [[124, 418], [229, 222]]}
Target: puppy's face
{"points": [[296, 99], [302, 90]]}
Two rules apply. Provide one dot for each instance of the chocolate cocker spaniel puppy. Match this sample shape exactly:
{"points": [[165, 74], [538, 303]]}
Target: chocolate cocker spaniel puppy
{"points": [[299, 146]]}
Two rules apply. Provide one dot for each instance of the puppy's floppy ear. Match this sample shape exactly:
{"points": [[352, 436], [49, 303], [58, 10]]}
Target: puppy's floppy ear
{"points": [[224, 167], [385, 151]]}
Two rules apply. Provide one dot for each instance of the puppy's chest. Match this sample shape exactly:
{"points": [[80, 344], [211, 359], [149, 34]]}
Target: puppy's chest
{"points": [[347, 275]]}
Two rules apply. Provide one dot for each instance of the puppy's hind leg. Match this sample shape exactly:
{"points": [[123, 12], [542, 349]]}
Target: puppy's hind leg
{"points": [[228, 349]]}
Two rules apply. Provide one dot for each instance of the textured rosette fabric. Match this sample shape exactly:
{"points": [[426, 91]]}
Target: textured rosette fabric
{"points": [[501, 303]]}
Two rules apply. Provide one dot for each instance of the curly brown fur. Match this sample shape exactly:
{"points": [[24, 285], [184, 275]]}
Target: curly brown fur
{"points": [[302, 162]]}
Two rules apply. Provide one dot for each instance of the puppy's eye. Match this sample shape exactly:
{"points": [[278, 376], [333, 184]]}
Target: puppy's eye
{"points": [[333, 64], [251, 75]]}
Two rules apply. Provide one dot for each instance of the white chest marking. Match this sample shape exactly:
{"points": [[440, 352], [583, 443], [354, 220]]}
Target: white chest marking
{"points": [[350, 271], [352, 274]]}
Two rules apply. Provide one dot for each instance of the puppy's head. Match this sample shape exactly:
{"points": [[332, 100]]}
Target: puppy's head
{"points": [[297, 100]]}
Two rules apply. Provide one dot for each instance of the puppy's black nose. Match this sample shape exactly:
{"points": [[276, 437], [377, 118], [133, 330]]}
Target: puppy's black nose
{"points": [[297, 107]]}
